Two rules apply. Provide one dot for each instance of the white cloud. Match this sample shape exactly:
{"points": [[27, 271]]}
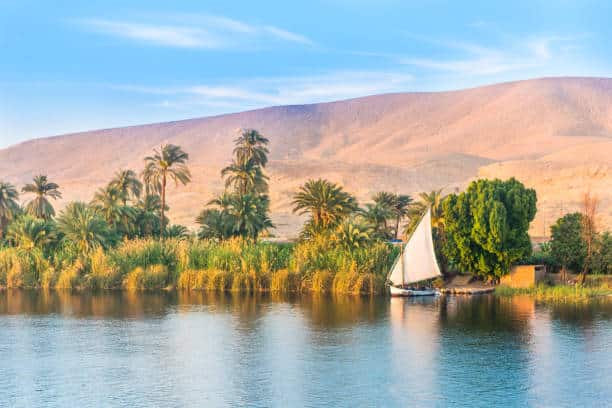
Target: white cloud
{"points": [[287, 35], [260, 92], [168, 35], [203, 31], [476, 59]]}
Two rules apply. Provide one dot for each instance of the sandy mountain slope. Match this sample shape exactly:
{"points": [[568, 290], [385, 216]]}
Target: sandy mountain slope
{"points": [[554, 134]]}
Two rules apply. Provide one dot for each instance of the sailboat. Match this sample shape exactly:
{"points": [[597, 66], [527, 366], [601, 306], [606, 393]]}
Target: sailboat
{"points": [[415, 263]]}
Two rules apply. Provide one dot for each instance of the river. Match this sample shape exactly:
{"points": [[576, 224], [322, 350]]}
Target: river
{"points": [[176, 349]]}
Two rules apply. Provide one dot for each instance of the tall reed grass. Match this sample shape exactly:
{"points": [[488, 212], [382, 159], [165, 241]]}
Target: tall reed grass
{"points": [[229, 266]]}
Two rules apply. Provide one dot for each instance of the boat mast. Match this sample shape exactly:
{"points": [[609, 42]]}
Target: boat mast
{"points": [[402, 262]]}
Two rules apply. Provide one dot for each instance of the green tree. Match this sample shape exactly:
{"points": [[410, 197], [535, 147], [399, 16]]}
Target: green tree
{"points": [[128, 184], [213, 224], [351, 235], [401, 209], [251, 146], [326, 203], [602, 258], [245, 177], [177, 231], [84, 228], [432, 200], [248, 215], [109, 202], [376, 215], [169, 162], [28, 232], [9, 208], [43, 189], [147, 215], [567, 245], [487, 226], [243, 208]]}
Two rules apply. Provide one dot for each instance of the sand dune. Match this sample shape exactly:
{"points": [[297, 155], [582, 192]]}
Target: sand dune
{"points": [[554, 134]]}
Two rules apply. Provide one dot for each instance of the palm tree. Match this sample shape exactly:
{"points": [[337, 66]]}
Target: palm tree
{"points": [[432, 200], [223, 200], [246, 177], [9, 208], [326, 202], [249, 214], [382, 210], [40, 207], [127, 182], [177, 231], [28, 233], [251, 146], [401, 209], [83, 227], [167, 162], [376, 215], [350, 235], [109, 202], [213, 224], [148, 210]]}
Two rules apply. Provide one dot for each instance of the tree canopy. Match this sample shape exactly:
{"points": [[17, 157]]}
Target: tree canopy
{"points": [[43, 189], [487, 226], [567, 245], [243, 209]]}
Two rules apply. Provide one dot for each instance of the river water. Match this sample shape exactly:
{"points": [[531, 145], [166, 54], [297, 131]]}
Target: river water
{"points": [[197, 349]]}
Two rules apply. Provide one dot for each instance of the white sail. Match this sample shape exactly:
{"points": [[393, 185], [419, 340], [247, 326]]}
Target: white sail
{"points": [[418, 259], [396, 274]]}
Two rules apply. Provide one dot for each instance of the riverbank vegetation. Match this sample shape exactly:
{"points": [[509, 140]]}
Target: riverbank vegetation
{"points": [[123, 238], [560, 293]]}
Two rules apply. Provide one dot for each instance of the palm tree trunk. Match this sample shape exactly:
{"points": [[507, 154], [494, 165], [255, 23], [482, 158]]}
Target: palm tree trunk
{"points": [[162, 221], [397, 222]]}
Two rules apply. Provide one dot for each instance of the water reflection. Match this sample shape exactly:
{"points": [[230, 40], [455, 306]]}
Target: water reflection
{"points": [[199, 348]]}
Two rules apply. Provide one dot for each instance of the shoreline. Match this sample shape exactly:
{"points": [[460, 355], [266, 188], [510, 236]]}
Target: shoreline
{"points": [[553, 294]]}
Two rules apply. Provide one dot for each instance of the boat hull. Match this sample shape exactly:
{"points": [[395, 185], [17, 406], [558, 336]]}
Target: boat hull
{"points": [[395, 291]]}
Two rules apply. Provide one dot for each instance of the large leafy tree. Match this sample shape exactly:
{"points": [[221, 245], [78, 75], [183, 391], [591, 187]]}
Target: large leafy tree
{"points": [[169, 162], [128, 184], [326, 203], [567, 245], [9, 208], [83, 227], [43, 189], [487, 226], [602, 258]]}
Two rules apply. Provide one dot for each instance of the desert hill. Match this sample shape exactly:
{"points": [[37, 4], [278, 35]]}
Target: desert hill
{"points": [[554, 134]]}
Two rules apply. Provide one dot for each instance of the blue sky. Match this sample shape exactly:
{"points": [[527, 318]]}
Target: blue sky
{"points": [[67, 66]]}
